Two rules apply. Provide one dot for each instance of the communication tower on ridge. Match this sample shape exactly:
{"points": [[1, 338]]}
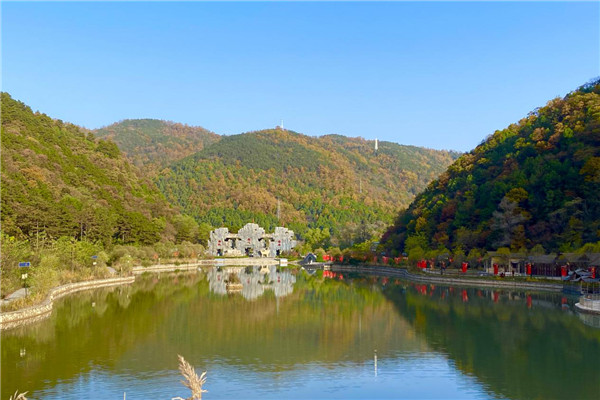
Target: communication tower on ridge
{"points": [[278, 211], [376, 145]]}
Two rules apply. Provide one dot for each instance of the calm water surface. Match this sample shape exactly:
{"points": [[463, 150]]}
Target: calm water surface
{"points": [[284, 334]]}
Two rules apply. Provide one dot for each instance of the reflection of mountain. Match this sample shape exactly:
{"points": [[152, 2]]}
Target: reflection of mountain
{"points": [[143, 327], [514, 351], [253, 281], [518, 348], [78, 336]]}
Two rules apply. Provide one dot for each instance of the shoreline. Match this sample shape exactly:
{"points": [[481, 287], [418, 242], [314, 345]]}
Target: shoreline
{"points": [[470, 282], [37, 312]]}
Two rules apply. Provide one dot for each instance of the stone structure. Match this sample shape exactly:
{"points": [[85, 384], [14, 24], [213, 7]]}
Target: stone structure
{"points": [[251, 239], [222, 242]]}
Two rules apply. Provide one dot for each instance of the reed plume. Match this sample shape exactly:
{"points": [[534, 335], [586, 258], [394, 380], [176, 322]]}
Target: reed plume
{"points": [[18, 396], [192, 380]]}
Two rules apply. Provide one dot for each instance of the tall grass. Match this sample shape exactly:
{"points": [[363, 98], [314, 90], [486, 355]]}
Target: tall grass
{"points": [[192, 380]]}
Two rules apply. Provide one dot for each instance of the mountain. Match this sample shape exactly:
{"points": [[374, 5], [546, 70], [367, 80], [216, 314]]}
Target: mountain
{"points": [[59, 181], [330, 182], [155, 143], [537, 182]]}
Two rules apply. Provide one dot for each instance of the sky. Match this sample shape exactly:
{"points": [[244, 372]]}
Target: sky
{"points": [[443, 75]]}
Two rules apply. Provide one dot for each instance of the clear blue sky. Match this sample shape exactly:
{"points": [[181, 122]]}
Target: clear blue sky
{"points": [[440, 75]]}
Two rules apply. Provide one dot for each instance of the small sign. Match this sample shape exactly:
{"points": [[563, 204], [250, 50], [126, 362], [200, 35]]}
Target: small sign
{"points": [[23, 276], [24, 264], [94, 257]]}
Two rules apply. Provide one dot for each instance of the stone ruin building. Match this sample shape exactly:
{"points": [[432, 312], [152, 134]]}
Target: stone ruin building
{"points": [[251, 239]]}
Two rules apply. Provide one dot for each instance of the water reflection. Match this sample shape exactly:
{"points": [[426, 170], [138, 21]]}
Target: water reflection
{"points": [[304, 336], [592, 320], [251, 281], [518, 344], [133, 334]]}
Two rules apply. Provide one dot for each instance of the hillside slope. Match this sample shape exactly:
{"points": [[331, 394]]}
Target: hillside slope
{"points": [[59, 181], [536, 182], [329, 182], [153, 143]]}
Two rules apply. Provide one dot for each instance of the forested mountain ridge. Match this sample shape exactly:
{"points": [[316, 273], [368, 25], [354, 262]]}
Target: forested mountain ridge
{"points": [[330, 182], [153, 143], [59, 181], [536, 182]]}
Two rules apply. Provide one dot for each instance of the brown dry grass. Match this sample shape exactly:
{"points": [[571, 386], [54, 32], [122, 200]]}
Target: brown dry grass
{"points": [[18, 396], [192, 380]]}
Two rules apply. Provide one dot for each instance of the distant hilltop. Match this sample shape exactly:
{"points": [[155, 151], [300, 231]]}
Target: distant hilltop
{"points": [[328, 182], [63, 180]]}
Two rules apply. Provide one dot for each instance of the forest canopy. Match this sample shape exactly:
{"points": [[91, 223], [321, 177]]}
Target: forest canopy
{"points": [[535, 183]]}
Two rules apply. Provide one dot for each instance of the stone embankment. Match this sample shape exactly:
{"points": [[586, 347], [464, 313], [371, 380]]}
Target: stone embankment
{"points": [[40, 311], [169, 267], [471, 282]]}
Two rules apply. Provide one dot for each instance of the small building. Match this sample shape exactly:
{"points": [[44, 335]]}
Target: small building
{"points": [[507, 263], [309, 259], [548, 265], [544, 265]]}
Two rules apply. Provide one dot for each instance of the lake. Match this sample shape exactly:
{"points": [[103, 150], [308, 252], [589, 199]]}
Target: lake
{"points": [[269, 333]]}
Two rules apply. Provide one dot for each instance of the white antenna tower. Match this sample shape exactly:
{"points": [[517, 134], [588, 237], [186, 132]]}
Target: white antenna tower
{"points": [[281, 124], [278, 211], [376, 145]]}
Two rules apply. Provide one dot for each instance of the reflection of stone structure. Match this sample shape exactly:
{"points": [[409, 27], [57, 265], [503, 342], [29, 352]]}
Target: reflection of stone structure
{"points": [[253, 281], [251, 239]]}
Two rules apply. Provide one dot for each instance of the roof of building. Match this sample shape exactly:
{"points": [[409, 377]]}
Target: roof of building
{"points": [[542, 259]]}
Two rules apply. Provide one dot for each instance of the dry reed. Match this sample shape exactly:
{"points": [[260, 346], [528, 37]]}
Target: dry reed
{"points": [[193, 381], [18, 396]]}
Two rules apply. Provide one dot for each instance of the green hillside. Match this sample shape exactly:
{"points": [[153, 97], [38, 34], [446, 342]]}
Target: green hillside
{"points": [[536, 182], [331, 182], [59, 181], [155, 143]]}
